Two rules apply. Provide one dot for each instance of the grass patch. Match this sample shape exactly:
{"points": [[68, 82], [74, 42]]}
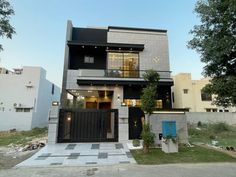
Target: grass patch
{"points": [[225, 134], [185, 155], [21, 137]]}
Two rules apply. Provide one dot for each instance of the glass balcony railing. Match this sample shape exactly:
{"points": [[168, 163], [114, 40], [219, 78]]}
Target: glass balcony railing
{"points": [[117, 73]]}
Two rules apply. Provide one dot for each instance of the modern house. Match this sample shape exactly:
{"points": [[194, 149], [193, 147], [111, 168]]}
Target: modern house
{"points": [[188, 93], [102, 77], [25, 98]]}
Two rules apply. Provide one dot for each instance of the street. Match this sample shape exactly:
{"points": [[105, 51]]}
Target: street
{"points": [[170, 170]]}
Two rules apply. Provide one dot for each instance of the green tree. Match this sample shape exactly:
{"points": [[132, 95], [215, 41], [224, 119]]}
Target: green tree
{"points": [[148, 137], [215, 39], [148, 105], [148, 98], [6, 10]]}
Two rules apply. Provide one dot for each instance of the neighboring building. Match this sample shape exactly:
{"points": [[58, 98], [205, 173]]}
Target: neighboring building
{"points": [[188, 93], [103, 69], [25, 98]]}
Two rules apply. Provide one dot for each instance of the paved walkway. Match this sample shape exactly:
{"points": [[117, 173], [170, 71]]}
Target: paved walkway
{"points": [[80, 154]]}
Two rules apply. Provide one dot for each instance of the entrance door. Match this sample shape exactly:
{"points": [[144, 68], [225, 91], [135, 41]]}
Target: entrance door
{"points": [[106, 106], [91, 105], [135, 122]]}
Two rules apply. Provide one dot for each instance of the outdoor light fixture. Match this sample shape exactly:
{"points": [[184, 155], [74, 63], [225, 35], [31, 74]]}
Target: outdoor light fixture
{"points": [[105, 94], [69, 119], [118, 97], [55, 103]]}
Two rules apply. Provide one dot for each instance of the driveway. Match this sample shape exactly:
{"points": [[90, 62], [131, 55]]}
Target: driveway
{"points": [[129, 170], [80, 154]]}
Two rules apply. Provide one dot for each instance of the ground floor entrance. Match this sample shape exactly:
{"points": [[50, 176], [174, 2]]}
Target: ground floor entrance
{"points": [[88, 125], [136, 117]]}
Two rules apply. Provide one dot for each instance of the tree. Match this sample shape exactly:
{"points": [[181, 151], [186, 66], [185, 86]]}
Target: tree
{"points": [[148, 105], [148, 98], [215, 40], [6, 30]]}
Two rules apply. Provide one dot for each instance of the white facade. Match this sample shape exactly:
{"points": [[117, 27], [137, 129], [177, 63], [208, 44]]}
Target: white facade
{"points": [[187, 94], [25, 98]]}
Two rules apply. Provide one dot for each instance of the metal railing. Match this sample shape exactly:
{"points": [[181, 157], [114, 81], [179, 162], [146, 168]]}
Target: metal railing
{"points": [[118, 73]]}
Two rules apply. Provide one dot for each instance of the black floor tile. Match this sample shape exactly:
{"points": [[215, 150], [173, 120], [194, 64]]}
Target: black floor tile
{"points": [[102, 155], [129, 155], [95, 146], [91, 162], [119, 146], [70, 146], [56, 164]]}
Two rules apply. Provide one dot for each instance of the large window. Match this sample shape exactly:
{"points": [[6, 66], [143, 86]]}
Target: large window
{"points": [[123, 64], [205, 96]]}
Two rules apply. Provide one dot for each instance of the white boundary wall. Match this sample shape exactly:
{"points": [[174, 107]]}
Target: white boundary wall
{"points": [[211, 117]]}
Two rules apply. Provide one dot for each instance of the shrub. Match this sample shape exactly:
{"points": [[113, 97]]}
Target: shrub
{"points": [[212, 137], [199, 124], [220, 127], [148, 137], [136, 142]]}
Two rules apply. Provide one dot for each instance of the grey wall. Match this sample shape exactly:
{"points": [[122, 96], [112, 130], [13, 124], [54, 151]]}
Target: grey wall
{"points": [[211, 117], [66, 63], [155, 45], [181, 125]]}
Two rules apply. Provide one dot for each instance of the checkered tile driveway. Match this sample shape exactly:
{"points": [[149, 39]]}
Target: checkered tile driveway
{"points": [[80, 154]]}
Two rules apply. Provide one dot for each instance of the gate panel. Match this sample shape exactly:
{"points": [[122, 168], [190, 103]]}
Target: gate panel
{"points": [[87, 125]]}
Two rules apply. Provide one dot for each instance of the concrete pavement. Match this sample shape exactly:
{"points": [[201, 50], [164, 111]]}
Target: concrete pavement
{"points": [[127, 170]]}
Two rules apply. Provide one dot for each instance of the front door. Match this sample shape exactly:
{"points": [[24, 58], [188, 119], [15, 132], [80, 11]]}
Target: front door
{"points": [[135, 122], [91, 105], [106, 106]]}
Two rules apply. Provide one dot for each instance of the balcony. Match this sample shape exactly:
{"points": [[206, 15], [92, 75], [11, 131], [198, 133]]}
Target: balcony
{"points": [[117, 73], [111, 77]]}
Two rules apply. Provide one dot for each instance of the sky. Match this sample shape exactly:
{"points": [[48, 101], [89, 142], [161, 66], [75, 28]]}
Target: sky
{"points": [[41, 27]]}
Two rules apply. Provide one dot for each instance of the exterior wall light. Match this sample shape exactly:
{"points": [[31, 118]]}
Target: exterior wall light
{"points": [[118, 97]]}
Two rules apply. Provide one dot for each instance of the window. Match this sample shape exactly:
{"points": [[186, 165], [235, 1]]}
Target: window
{"points": [[19, 109], [123, 64], [137, 102], [88, 59], [226, 110], [23, 109], [173, 97], [52, 92], [159, 104], [205, 96], [185, 91], [214, 110], [2, 109], [26, 109], [208, 110]]}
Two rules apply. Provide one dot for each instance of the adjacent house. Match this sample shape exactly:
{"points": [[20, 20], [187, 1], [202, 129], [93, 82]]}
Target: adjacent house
{"points": [[25, 98], [188, 93], [102, 81]]}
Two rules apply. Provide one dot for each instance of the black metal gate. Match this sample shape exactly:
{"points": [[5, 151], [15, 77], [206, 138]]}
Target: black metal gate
{"points": [[88, 125], [135, 122]]}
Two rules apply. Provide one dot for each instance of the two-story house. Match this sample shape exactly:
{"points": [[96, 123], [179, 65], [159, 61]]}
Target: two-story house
{"points": [[103, 70]]}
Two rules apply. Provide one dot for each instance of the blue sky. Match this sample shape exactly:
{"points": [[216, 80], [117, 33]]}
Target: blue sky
{"points": [[41, 28]]}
